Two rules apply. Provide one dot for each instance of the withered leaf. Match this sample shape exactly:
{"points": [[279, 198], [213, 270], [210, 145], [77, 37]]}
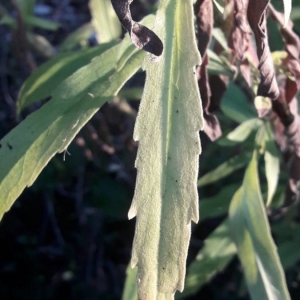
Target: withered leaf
{"points": [[257, 19], [204, 15], [141, 36], [239, 39]]}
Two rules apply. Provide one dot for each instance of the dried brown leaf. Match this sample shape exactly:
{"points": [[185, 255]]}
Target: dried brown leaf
{"points": [[141, 36], [204, 15], [257, 19], [239, 38]]}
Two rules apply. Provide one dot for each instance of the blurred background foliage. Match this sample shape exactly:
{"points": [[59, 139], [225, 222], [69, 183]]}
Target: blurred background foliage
{"points": [[68, 235]]}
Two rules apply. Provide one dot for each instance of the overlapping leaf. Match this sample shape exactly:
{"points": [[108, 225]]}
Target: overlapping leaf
{"points": [[225, 169], [169, 119], [130, 288], [47, 77], [217, 205], [26, 150], [234, 105], [105, 20], [218, 251], [241, 133], [256, 248]]}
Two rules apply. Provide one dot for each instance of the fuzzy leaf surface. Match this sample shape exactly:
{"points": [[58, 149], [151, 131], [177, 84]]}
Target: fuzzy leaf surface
{"points": [[167, 128]]}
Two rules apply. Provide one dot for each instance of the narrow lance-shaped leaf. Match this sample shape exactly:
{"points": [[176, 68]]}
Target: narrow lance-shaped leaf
{"points": [[219, 249], [130, 288], [235, 163], [242, 132], [48, 76], [104, 20], [235, 106], [170, 116], [256, 248], [287, 4], [217, 205], [272, 165], [219, 6], [27, 149], [78, 37]]}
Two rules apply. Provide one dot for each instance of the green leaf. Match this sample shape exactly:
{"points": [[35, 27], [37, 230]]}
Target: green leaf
{"points": [[27, 149], [41, 44], [170, 116], [251, 233], [217, 205], [26, 7], [41, 23], [289, 253], [295, 13], [48, 76], [274, 36], [5, 18], [286, 234], [131, 93], [218, 251], [219, 35], [105, 20], [263, 105], [78, 37], [219, 5], [241, 133], [272, 165], [225, 169], [216, 66], [130, 289], [235, 105]]}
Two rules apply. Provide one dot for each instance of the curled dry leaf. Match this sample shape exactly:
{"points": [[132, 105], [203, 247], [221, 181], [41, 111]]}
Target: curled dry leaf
{"points": [[257, 19], [292, 47], [239, 38], [284, 101], [204, 14], [141, 36]]}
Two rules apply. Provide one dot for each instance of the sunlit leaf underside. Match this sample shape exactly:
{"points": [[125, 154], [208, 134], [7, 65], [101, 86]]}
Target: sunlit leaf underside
{"points": [[170, 116]]}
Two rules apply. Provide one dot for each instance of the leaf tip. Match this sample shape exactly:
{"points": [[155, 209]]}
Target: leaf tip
{"points": [[132, 212]]}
